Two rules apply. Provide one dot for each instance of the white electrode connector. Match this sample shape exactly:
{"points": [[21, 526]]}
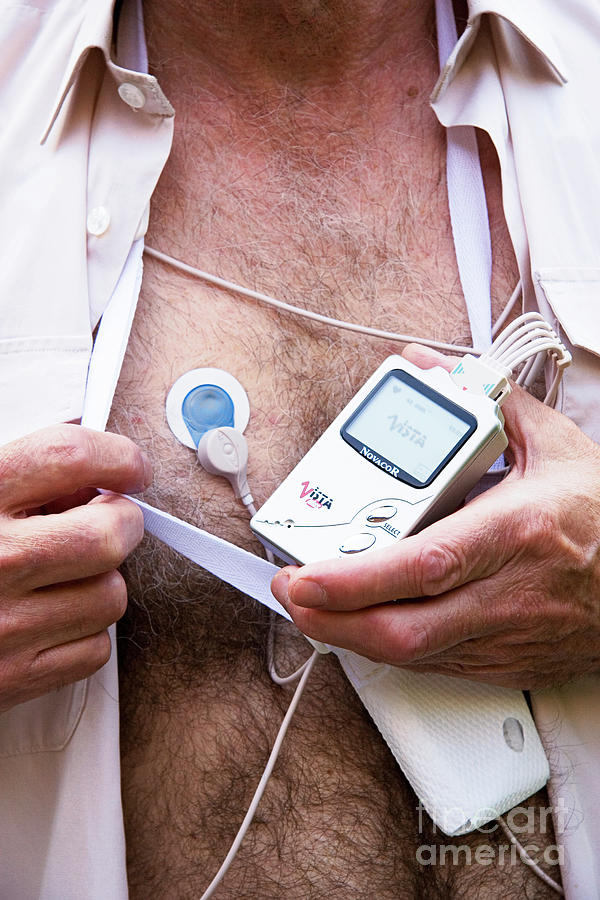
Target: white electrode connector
{"points": [[224, 451], [528, 340], [482, 376]]}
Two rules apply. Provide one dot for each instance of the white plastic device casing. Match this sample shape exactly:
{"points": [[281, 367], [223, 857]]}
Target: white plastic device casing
{"points": [[336, 502], [470, 750]]}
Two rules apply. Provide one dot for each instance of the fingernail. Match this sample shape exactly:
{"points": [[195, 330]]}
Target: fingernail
{"points": [[148, 472], [279, 588], [308, 593]]}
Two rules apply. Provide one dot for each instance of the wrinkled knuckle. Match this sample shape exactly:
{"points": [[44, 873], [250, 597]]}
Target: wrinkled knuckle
{"points": [[409, 643], [9, 629], [14, 560], [438, 568], [113, 538], [21, 678], [15, 457], [418, 640], [11, 459], [538, 528], [67, 446]]}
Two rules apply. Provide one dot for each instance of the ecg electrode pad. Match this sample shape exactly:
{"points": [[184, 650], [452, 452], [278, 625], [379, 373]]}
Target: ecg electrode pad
{"points": [[204, 399]]}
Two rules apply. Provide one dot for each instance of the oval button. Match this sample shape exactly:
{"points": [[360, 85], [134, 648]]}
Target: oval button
{"points": [[131, 95], [98, 221], [382, 514], [356, 543]]}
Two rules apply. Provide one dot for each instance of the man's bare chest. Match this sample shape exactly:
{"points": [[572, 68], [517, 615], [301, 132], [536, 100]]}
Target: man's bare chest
{"points": [[199, 711]]}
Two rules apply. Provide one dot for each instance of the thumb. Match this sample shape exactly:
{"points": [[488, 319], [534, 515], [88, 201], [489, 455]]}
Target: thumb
{"points": [[427, 357], [471, 544]]}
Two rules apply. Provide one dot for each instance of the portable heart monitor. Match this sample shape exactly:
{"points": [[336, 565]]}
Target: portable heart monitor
{"points": [[404, 452]]}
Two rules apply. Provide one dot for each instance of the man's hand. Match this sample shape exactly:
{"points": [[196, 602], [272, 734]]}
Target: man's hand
{"points": [[505, 590], [59, 551]]}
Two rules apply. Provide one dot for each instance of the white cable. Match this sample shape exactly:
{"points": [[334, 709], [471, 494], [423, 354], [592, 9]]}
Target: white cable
{"points": [[529, 339], [507, 341], [517, 325], [524, 856], [526, 345], [274, 674], [539, 362], [518, 291], [516, 331], [537, 347], [525, 371], [550, 398], [526, 349], [263, 781], [299, 311], [520, 326], [521, 338]]}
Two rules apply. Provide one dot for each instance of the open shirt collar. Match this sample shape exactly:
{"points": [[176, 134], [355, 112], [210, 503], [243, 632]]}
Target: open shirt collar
{"points": [[96, 32], [531, 19]]}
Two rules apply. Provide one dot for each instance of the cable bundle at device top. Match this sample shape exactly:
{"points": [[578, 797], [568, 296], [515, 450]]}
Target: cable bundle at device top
{"points": [[530, 340]]}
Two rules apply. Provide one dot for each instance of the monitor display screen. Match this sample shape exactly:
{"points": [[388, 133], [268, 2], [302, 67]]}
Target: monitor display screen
{"points": [[408, 426]]}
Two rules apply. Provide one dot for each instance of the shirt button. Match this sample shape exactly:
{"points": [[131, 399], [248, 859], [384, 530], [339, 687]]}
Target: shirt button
{"points": [[131, 95], [98, 220]]}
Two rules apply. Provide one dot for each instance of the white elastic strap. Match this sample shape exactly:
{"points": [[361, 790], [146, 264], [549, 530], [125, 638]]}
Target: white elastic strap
{"points": [[243, 570], [111, 342], [467, 203]]}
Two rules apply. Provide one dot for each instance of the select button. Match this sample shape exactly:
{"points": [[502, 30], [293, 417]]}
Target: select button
{"points": [[382, 514]]}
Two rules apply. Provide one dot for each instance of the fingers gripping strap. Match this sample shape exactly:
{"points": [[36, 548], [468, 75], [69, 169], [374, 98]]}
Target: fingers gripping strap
{"points": [[452, 739]]}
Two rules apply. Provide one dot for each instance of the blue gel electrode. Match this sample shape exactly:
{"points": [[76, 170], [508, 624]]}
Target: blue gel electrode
{"points": [[205, 407]]}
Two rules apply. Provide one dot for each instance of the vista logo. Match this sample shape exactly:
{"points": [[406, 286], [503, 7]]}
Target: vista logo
{"points": [[314, 496]]}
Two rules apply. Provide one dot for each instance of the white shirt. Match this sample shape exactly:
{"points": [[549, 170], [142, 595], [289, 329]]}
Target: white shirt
{"points": [[72, 209]]}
